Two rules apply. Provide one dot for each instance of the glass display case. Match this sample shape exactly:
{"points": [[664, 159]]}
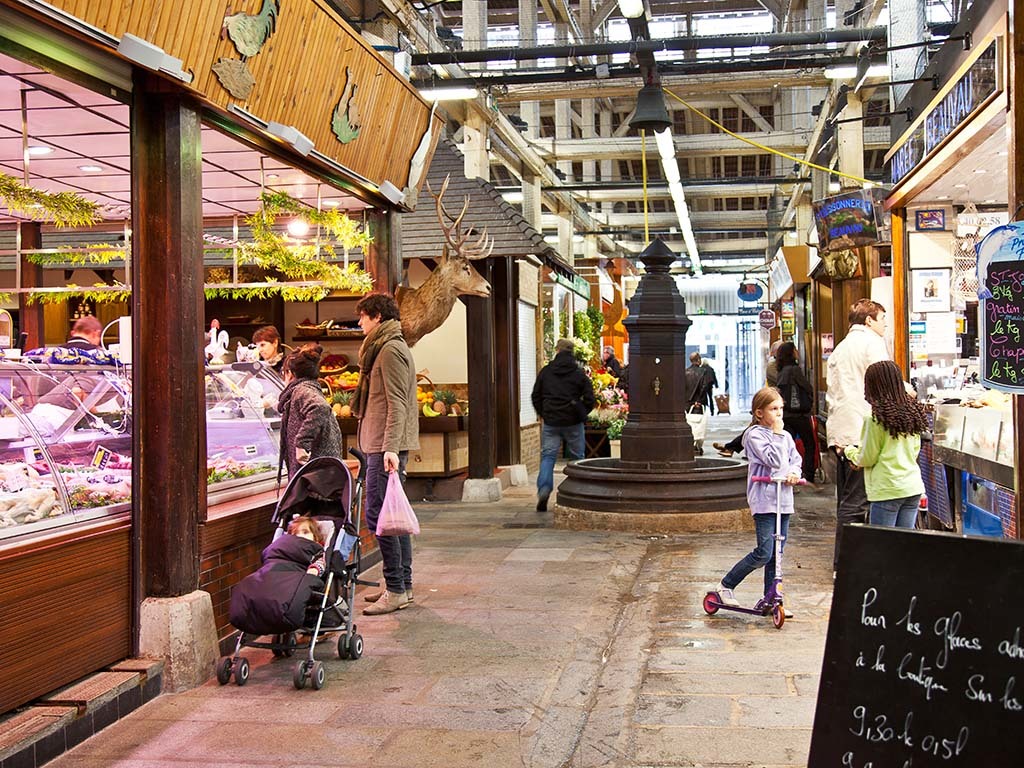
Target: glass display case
{"points": [[243, 429], [65, 444], [66, 440]]}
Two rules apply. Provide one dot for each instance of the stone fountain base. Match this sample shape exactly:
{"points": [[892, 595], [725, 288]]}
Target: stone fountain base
{"points": [[605, 494]]}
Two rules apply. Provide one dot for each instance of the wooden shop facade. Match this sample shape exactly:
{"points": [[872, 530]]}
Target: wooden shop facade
{"points": [[173, 118]]}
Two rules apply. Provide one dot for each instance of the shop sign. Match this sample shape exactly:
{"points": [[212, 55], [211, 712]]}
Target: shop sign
{"points": [[846, 221], [1001, 307], [766, 319], [828, 343], [969, 92], [576, 284], [788, 326], [788, 309], [750, 291]]}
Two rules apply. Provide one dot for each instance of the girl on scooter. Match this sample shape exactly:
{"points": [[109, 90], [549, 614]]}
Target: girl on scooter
{"points": [[771, 453]]}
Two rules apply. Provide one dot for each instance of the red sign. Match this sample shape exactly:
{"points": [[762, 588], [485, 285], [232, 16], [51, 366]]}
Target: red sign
{"points": [[766, 319]]}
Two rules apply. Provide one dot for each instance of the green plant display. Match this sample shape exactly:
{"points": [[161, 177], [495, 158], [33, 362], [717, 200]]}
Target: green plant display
{"points": [[100, 293], [615, 429], [65, 209], [596, 323]]}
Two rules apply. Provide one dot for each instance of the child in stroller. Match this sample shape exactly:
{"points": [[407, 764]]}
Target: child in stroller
{"points": [[307, 580]]}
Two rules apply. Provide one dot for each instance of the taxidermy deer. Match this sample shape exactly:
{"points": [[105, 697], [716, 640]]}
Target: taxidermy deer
{"points": [[425, 308]]}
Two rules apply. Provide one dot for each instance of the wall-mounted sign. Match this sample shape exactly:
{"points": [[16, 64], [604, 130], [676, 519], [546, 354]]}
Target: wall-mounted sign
{"points": [[980, 82], [1001, 307], [846, 221], [929, 290], [766, 319], [828, 343], [788, 326], [750, 291], [930, 219]]}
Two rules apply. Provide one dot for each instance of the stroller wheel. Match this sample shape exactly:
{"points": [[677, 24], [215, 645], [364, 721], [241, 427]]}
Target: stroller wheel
{"points": [[711, 603], [355, 646], [778, 615], [242, 673], [224, 670], [318, 675], [343, 645], [290, 641], [299, 676]]}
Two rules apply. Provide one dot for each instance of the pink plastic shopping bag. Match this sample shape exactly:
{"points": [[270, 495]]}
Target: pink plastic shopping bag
{"points": [[396, 515]]}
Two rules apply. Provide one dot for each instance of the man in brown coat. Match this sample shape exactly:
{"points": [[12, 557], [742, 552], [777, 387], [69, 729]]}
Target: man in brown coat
{"points": [[385, 403]]}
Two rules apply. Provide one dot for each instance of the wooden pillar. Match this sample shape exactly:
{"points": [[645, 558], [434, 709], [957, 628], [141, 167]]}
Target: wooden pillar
{"points": [[899, 316], [30, 316], [381, 258], [482, 397], [506, 334], [169, 435], [1015, 177]]}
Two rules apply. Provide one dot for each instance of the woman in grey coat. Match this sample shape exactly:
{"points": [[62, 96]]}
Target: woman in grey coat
{"points": [[308, 426]]}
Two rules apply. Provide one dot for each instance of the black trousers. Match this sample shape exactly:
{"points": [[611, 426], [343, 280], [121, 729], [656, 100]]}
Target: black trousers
{"points": [[851, 499], [799, 425]]}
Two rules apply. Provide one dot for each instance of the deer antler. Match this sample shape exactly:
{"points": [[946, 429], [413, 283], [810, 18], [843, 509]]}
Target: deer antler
{"points": [[453, 234]]}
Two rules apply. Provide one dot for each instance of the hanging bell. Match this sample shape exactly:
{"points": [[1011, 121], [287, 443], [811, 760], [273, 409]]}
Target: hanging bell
{"points": [[651, 114]]}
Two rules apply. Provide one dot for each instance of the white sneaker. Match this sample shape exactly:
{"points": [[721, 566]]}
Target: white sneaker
{"points": [[726, 596]]}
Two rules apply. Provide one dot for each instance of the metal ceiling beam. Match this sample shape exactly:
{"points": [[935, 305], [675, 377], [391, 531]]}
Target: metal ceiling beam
{"points": [[639, 47]]}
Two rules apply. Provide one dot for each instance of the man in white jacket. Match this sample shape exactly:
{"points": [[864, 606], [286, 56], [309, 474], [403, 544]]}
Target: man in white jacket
{"points": [[863, 345]]}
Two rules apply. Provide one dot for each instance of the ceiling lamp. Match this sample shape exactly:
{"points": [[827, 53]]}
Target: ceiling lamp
{"points": [[631, 9], [651, 113]]}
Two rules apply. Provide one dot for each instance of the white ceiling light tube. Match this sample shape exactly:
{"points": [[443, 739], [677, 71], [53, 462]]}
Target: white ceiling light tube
{"points": [[670, 170], [850, 72], [449, 94]]}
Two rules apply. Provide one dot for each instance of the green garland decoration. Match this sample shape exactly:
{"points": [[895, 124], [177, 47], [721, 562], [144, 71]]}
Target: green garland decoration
{"points": [[103, 253], [65, 209], [100, 293]]}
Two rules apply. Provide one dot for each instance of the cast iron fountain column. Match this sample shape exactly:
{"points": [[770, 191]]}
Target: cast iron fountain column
{"points": [[657, 485]]}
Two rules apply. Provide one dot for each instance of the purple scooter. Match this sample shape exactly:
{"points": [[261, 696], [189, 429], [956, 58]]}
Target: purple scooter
{"points": [[771, 603]]}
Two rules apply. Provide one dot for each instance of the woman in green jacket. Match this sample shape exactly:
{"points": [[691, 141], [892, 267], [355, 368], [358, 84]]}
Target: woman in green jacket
{"points": [[889, 443]]}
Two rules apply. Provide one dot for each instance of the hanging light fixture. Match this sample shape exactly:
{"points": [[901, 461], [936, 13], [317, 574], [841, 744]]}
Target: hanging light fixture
{"points": [[651, 113]]}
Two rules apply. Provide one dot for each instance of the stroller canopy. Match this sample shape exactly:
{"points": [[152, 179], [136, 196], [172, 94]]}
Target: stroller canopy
{"points": [[322, 487]]}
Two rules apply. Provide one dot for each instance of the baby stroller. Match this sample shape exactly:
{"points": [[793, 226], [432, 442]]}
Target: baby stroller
{"points": [[324, 489]]}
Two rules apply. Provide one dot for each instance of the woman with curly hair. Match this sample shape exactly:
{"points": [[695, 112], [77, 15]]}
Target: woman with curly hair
{"points": [[889, 443]]}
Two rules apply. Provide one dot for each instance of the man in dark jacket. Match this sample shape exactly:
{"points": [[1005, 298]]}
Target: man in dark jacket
{"points": [[562, 396]]}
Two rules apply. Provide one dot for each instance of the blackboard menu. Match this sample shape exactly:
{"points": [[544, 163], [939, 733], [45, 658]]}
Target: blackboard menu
{"points": [[1001, 291], [924, 658]]}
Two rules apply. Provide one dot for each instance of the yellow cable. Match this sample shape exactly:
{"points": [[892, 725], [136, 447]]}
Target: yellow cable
{"points": [[801, 161], [643, 167]]}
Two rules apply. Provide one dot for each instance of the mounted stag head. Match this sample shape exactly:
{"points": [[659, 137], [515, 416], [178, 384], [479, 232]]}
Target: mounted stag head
{"points": [[424, 309]]}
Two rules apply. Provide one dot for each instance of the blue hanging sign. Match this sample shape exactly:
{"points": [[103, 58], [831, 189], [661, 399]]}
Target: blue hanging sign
{"points": [[1001, 307], [750, 291]]}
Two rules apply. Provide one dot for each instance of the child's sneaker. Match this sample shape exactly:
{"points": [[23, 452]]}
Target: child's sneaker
{"points": [[726, 597]]}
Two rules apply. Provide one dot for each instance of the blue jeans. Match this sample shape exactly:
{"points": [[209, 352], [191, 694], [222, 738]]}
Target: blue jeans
{"points": [[395, 551], [762, 555], [550, 444], [898, 513]]}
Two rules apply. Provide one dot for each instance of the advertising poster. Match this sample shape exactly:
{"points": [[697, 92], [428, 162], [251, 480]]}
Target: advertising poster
{"points": [[929, 290]]}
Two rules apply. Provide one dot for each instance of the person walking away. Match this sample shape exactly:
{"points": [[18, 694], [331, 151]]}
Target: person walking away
{"points": [[308, 426], [695, 386], [563, 395], [385, 404], [863, 345], [710, 384], [611, 363], [797, 401], [771, 453], [887, 450]]}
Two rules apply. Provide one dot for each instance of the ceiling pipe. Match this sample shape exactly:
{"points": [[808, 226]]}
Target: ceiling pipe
{"points": [[773, 39], [702, 67]]}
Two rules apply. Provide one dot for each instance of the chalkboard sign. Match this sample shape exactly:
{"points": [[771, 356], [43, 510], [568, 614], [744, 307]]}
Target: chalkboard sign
{"points": [[1001, 291], [924, 659]]}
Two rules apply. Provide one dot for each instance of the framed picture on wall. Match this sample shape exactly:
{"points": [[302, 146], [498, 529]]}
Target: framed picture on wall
{"points": [[930, 219], [929, 290]]}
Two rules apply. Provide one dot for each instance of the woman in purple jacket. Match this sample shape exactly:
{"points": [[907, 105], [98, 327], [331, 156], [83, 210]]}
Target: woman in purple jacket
{"points": [[771, 453]]}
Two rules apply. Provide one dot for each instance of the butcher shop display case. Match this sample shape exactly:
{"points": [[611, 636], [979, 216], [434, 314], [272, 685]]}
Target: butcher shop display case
{"points": [[243, 430], [65, 444]]}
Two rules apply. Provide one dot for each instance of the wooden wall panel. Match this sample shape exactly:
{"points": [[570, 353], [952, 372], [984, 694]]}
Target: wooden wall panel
{"points": [[66, 609], [300, 73]]}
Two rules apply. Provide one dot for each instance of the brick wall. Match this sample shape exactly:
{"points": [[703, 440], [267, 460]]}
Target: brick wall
{"points": [[529, 446]]}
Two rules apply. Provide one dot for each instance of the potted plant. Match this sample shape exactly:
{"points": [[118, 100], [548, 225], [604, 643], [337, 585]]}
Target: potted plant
{"points": [[611, 406], [614, 433]]}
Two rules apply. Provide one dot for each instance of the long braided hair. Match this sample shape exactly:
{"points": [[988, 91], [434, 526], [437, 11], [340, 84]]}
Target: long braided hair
{"points": [[891, 406]]}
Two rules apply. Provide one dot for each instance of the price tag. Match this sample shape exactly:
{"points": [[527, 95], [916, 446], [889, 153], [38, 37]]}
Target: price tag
{"points": [[101, 458], [251, 450]]}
